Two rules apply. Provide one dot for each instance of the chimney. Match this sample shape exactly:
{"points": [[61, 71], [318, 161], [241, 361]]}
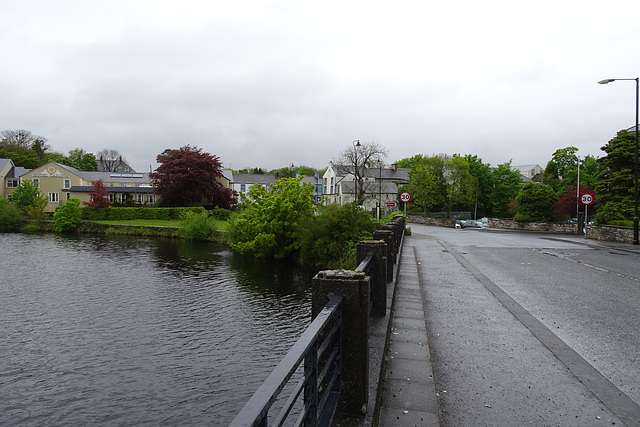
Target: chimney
{"points": [[394, 166]]}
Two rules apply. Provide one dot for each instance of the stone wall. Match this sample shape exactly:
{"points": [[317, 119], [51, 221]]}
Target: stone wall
{"points": [[542, 227], [611, 233], [420, 219], [607, 232]]}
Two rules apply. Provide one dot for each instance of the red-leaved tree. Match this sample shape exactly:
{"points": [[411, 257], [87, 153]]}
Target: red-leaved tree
{"points": [[188, 176], [568, 204], [99, 197]]}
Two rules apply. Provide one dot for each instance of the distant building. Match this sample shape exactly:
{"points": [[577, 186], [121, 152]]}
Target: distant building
{"points": [[61, 182], [114, 165], [241, 182], [528, 171], [380, 186]]}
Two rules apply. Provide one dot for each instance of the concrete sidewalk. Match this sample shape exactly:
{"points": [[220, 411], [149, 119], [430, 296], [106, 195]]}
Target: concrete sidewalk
{"points": [[498, 365]]}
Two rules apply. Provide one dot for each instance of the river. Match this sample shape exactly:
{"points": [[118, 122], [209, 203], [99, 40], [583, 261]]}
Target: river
{"points": [[134, 331]]}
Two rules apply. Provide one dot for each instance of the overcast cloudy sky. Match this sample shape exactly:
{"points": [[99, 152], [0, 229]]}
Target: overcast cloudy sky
{"points": [[270, 83]]}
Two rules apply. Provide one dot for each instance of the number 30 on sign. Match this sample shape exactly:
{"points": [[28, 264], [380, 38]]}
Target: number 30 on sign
{"points": [[587, 199], [405, 196]]}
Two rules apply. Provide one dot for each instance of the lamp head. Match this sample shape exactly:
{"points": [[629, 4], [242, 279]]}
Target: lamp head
{"points": [[357, 141], [605, 81]]}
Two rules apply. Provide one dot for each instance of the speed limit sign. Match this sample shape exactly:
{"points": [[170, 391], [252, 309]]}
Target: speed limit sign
{"points": [[405, 197], [587, 199]]}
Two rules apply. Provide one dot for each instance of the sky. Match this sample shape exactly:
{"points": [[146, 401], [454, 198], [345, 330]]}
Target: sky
{"points": [[273, 83]]}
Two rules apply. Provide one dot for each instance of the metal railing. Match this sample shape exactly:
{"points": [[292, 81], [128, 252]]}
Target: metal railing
{"points": [[320, 350], [327, 360]]}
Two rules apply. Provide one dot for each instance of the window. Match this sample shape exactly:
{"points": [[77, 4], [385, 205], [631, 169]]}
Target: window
{"points": [[243, 187], [53, 197], [12, 183], [67, 183], [110, 197], [151, 198], [36, 182], [68, 196], [10, 197], [139, 198]]}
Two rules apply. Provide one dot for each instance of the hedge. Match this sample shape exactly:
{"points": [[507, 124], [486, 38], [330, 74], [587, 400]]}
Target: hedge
{"points": [[126, 213]]}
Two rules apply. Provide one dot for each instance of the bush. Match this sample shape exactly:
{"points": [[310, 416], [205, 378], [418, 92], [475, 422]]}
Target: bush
{"points": [[10, 215], [329, 239], [220, 213], [68, 216], [196, 226]]}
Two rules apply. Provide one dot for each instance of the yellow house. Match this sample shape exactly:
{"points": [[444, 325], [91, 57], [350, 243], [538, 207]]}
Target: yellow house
{"points": [[60, 183], [9, 177]]}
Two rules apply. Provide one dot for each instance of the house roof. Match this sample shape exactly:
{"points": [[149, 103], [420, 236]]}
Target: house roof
{"points": [[387, 173], [386, 187], [4, 163], [89, 188], [254, 178], [526, 167], [104, 176]]}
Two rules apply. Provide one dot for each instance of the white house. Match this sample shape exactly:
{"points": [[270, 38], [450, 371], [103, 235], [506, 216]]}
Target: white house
{"points": [[380, 186]]}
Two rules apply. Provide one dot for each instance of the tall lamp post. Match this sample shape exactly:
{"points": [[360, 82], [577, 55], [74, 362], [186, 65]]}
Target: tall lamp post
{"points": [[356, 144], [635, 163]]}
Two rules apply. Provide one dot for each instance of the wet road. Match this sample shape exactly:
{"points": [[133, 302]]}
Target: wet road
{"points": [[529, 329]]}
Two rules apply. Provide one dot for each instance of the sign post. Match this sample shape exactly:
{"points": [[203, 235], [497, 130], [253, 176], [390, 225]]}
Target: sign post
{"points": [[586, 200], [405, 196]]}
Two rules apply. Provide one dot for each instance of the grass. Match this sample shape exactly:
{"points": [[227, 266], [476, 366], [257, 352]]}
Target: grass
{"points": [[220, 225]]}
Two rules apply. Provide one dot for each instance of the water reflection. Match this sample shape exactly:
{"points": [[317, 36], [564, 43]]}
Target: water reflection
{"points": [[128, 331]]}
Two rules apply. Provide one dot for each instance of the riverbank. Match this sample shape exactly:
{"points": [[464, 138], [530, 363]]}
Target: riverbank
{"points": [[120, 228]]}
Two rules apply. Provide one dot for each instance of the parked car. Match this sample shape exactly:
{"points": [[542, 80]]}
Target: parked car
{"points": [[461, 223], [473, 224]]}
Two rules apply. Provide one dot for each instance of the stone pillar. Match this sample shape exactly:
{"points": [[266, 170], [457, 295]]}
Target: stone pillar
{"points": [[354, 288], [401, 221], [387, 237], [378, 249], [393, 227]]}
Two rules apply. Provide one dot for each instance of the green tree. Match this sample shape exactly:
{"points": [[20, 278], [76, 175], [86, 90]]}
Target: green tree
{"points": [[505, 187], [81, 160], [483, 184], [589, 169], [37, 210], [10, 215], [328, 240], [21, 156], [267, 225], [427, 183], [68, 216], [461, 183], [28, 198], [535, 203], [615, 180], [409, 161]]}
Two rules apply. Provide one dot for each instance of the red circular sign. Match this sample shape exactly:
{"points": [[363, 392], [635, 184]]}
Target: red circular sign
{"points": [[405, 196], [587, 199]]}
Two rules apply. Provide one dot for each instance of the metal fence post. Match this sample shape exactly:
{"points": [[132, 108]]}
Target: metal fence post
{"points": [[354, 288]]}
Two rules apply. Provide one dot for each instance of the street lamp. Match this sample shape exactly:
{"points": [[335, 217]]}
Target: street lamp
{"points": [[356, 144], [635, 163]]}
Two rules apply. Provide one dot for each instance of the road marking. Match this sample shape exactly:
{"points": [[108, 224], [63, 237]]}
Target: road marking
{"points": [[611, 396]]}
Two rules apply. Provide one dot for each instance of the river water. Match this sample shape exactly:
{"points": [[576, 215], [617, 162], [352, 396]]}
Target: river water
{"points": [[133, 331]]}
